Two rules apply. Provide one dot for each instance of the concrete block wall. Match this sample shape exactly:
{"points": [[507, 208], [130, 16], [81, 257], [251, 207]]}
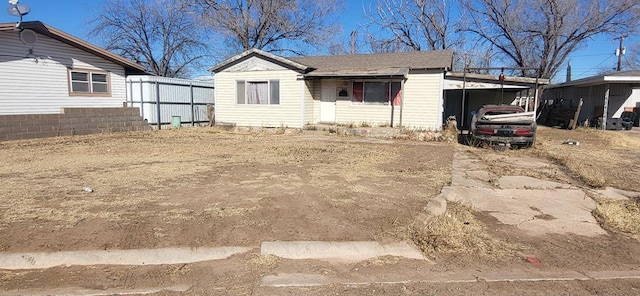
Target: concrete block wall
{"points": [[72, 121]]}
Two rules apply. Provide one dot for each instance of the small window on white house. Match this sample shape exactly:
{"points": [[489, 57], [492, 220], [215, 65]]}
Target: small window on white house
{"points": [[258, 92], [88, 82]]}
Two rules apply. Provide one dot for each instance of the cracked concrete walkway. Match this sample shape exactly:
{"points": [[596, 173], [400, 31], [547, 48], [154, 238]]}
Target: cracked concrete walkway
{"points": [[532, 205]]}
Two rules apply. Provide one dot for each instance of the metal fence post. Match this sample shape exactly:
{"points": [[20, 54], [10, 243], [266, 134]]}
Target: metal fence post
{"points": [[193, 120], [141, 100], [158, 105]]}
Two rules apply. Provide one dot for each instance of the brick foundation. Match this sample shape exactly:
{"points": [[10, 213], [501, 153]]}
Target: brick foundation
{"points": [[72, 121]]}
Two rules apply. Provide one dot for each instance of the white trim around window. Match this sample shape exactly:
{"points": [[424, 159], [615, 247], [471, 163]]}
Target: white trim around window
{"points": [[258, 92], [85, 82]]}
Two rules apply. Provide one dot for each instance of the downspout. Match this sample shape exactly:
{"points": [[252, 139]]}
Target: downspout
{"points": [[304, 82], [402, 99]]}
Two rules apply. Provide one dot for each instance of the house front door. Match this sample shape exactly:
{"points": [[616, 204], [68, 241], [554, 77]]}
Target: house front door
{"points": [[328, 102]]}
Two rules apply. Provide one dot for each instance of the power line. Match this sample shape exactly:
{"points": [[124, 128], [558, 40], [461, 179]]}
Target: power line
{"points": [[596, 66]]}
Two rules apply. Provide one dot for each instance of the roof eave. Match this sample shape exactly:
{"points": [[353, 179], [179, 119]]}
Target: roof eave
{"points": [[41, 28], [265, 55]]}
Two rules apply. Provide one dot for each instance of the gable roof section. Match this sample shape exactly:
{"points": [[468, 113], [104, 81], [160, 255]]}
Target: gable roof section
{"points": [[398, 63], [41, 28], [287, 63], [383, 64], [614, 77]]}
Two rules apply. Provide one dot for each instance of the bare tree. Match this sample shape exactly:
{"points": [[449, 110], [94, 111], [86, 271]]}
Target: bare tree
{"points": [[282, 26], [416, 24], [542, 33], [161, 35], [632, 57]]}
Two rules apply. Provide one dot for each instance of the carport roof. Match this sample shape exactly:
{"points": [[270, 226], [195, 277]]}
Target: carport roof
{"points": [[454, 80], [614, 77]]}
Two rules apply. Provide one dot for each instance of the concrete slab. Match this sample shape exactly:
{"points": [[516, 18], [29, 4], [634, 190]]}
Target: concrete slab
{"points": [[541, 227], [117, 257], [525, 182], [468, 276], [296, 280], [536, 211], [616, 194], [340, 251], [311, 280], [83, 291], [532, 276], [483, 176], [614, 274]]}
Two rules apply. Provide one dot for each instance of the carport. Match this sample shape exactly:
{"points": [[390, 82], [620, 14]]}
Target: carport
{"points": [[481, 89]]}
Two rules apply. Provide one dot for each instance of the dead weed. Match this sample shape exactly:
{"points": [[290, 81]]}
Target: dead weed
{"points": [[622, 216], [457, 231]]}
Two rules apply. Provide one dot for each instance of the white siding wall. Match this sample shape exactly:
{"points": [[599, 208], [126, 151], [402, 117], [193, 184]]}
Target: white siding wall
{"points": [[310, 114], [287, 113], [39, 83], [423, 102]]}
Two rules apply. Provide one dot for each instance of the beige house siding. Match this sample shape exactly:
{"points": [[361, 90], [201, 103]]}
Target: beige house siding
{"points": [[288, 113], [423, 93], [38, 82], [317, 93], [310, 114]]}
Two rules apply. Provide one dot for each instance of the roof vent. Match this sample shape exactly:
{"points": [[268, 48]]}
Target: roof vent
{"points": [[28, 37]]}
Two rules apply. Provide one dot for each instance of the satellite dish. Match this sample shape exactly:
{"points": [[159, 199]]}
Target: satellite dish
{"points": [[18, 10], [28, 37]]}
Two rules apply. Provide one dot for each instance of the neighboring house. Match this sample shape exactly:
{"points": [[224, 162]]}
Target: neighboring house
{"points": [[256, 88], [43, 70], [409, 89], [614, 92]]}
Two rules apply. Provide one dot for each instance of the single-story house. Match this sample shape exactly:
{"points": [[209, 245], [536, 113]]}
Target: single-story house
{"points": [[43, 69], [409, 89], [256, 88], [606, 94]]}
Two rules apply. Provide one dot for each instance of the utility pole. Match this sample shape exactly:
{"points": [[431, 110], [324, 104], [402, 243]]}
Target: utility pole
{"points": [[353, 42], [619, 52]]}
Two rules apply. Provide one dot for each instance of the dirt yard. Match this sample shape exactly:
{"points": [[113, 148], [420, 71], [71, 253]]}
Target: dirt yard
{"points": [[209, 187], [203, 187]]}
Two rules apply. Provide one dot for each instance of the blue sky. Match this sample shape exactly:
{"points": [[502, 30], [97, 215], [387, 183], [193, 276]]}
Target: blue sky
{"points": [[72, 16]]}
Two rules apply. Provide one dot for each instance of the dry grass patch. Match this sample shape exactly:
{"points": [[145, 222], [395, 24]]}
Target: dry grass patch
{"points": [[621, 216], [603, 158], [458, 231]]}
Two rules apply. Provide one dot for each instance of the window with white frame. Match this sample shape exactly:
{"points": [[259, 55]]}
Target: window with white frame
{"points": [[263, 92], [88, 82], [377, 92]]}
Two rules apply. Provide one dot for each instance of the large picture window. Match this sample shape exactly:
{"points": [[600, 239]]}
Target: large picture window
{"points": [[265, 92], [377, 92], [88, 82]]}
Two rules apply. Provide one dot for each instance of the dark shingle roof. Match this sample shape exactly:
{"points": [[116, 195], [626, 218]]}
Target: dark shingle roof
{"points": [[440, 59]]}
